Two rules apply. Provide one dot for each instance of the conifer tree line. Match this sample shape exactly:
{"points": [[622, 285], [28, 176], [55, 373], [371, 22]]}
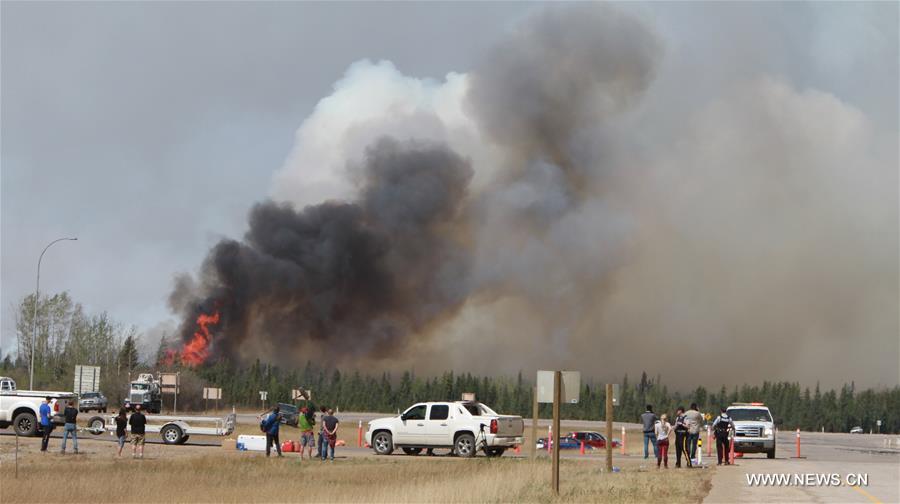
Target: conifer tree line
{"points": [[67, 336]]}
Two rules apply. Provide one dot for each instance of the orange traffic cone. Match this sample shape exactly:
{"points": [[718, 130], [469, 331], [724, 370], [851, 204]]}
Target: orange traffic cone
{"points": [[582, 447]]}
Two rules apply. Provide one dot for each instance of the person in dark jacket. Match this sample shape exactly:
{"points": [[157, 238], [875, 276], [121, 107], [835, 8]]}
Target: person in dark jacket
{"points": [[321, 446], [46, 423], [722, 427], [71, 427], [121, 430], [681, 438], [272, 423], [329, 431], [138, 423], [648, 419]]}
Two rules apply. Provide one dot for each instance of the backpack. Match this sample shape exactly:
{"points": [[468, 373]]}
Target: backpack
{"points": [[264, 424]]}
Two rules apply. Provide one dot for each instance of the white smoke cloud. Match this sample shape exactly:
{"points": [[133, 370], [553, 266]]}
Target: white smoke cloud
{"points": [[372, 100]]}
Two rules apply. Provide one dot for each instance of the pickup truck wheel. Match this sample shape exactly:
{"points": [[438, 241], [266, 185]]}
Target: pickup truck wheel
{"points": [[412, 451], [494, 452], [383, 443], [171, 434], [25, 424], [104, 410], [771, 453], [465, 445], [96, 425]]}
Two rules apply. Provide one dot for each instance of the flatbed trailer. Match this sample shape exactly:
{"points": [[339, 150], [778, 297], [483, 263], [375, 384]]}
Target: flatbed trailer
{"points": [[173, 429]]}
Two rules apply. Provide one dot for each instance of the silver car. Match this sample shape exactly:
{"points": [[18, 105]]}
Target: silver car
{"points": [[92, 401]]}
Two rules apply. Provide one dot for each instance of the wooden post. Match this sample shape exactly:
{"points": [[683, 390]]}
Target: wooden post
{"points": [[609, 426], [534, 422], [557, 393]]}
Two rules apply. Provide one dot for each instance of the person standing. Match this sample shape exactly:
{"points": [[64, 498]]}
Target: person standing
{"points": [[662, 430], [272, 423], [329, 430], [305, 423], [138, 423], [46, 423], [722, 427], [71, 426], [321, 447], [648, 419], [694, 420], [681, 434], [121, 430]]}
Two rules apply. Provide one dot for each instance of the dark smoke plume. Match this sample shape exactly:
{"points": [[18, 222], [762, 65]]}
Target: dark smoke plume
{"points": [[362, 275]]}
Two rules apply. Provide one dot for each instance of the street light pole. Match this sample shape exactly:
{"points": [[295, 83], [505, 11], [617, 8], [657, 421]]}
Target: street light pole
{"points": [[37, 289]]}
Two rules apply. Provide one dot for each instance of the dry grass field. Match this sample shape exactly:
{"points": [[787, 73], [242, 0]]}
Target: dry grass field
{"points": [[198, 474]]}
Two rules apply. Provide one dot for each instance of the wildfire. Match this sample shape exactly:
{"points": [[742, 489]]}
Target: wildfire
{"points": [[196, 351]]}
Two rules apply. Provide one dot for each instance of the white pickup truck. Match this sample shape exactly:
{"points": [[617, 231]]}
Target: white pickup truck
{"points": [[21, 408], [463, 426]]}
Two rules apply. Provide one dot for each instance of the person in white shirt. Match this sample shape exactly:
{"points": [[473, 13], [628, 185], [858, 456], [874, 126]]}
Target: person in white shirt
{"points": [[662, 429]]}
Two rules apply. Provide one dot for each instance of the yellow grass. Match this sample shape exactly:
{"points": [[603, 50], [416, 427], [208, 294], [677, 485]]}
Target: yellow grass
{"points": [[215, 475]]}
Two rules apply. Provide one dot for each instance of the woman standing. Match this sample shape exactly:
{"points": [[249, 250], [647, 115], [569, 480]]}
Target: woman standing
{"points": [[121, 430], [662, 429]]}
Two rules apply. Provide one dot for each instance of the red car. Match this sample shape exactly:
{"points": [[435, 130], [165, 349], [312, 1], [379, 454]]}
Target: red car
{"points": [[592, 439]]}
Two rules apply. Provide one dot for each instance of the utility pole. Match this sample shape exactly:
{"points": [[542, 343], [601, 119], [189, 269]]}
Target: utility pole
{"points": [[557, 398], [534, 423], [609, 426]]}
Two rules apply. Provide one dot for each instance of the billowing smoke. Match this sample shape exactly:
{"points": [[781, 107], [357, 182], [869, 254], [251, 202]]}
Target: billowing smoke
{"points": [[361, 275], [570, 199]]}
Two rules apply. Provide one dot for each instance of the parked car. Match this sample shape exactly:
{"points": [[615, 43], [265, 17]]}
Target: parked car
{"points": [[290, 414], [565, 443], [592, 438], [466, 427], [20, 408], [856, 430], [92, 401]]}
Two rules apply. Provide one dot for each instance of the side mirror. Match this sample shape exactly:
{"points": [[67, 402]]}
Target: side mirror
{"points": [[403, 417]]}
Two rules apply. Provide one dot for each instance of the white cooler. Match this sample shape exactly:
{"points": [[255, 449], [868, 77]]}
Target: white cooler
{"points": [[251, 443]]}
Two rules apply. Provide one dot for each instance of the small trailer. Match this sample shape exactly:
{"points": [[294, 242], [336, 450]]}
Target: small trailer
{"points": [[173, 429]]}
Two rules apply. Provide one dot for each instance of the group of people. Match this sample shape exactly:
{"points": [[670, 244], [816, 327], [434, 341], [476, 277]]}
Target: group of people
{"points": [[324, 442], [657, 431], [137, 421]]}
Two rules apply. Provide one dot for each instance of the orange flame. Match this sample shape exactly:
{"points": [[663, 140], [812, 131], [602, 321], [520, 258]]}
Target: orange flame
{"points": [[196, 351]]}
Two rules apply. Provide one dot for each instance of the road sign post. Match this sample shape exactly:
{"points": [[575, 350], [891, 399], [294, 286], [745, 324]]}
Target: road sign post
{"points": [[87, 379], [557, 397], [534, 423], [169, 383]]}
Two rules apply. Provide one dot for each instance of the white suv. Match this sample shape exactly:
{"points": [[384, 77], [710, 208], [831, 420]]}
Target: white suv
{"points": [[754, 429], [463, 426]]}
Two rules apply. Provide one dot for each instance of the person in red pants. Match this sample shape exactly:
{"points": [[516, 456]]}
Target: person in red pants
{"points": [[662, 430]]}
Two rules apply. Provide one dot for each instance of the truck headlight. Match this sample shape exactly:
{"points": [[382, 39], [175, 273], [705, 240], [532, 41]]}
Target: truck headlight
{"points": [[768, 431]]}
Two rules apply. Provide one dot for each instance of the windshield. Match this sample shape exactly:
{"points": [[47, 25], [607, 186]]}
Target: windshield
{"points": [[750, 415], [89, 395], [140, 386]]}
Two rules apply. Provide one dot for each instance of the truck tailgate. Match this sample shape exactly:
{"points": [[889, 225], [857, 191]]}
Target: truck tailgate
{"points": [[510, 426]]}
